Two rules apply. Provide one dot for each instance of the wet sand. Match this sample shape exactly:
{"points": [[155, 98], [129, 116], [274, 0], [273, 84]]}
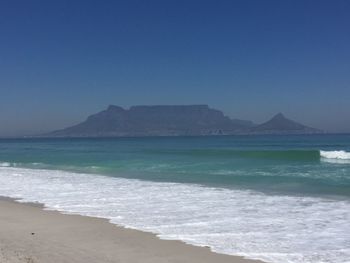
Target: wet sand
{"points": [[30, 234]]}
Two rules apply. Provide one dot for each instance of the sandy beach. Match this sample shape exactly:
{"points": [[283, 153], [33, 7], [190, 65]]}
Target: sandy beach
{"points": [[32, 235]]}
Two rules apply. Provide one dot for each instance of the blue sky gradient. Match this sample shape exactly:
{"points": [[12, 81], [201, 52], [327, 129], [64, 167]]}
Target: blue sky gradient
{"points": [[63, 60]]}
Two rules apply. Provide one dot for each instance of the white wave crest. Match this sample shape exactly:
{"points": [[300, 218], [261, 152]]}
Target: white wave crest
{"points": [[343, 155], [5, 164]]}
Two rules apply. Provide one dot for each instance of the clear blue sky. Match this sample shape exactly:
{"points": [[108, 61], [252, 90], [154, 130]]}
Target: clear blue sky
{"points": [[63, 60]]}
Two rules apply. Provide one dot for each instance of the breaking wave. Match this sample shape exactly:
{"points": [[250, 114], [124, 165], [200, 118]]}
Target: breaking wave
{"points": [[342, 155]]}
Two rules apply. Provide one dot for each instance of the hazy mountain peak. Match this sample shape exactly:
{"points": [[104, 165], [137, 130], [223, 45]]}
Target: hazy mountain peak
{"points": [[278, 116], [280, 124], [156, 120], [115, 108]]}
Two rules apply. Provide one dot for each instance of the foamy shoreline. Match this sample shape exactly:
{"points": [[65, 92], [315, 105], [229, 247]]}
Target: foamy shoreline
{"points": [[244, 223], [28, 233]]}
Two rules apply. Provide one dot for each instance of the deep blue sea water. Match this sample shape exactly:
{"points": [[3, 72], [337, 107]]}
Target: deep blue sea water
{"points": [[276, 198]]}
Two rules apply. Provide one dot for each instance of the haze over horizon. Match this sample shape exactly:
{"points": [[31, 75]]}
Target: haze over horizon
{"points": [[61, 61]]}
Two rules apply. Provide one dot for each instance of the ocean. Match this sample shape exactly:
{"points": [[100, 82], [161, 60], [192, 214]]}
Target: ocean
{"points": [[275, 198]]}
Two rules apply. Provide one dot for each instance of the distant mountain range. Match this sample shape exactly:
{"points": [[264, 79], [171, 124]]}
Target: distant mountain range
{"points": [[174, 120]]}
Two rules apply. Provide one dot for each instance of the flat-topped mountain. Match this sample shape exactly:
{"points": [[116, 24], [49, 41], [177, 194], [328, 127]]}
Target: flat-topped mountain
{"points": [[173, 120], [280, 124], [159, 120]]}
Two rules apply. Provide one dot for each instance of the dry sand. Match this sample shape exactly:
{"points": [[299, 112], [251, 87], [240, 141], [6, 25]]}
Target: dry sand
{"points": [[32, 235]]}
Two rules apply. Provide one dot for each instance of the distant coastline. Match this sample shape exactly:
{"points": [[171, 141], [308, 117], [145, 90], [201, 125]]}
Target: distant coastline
{"points": [[39, 137]]}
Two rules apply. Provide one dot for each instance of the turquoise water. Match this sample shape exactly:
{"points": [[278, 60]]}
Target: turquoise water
{"points": [[274, 198], [284, 164]]}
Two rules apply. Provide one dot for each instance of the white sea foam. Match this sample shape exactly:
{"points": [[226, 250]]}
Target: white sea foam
{"points": [[5, 164], [268, 227], [342, 155]]}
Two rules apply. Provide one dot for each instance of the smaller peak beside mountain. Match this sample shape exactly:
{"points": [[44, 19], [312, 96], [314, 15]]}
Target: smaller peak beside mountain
{"points": [[281, 124], [279, 116]]}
